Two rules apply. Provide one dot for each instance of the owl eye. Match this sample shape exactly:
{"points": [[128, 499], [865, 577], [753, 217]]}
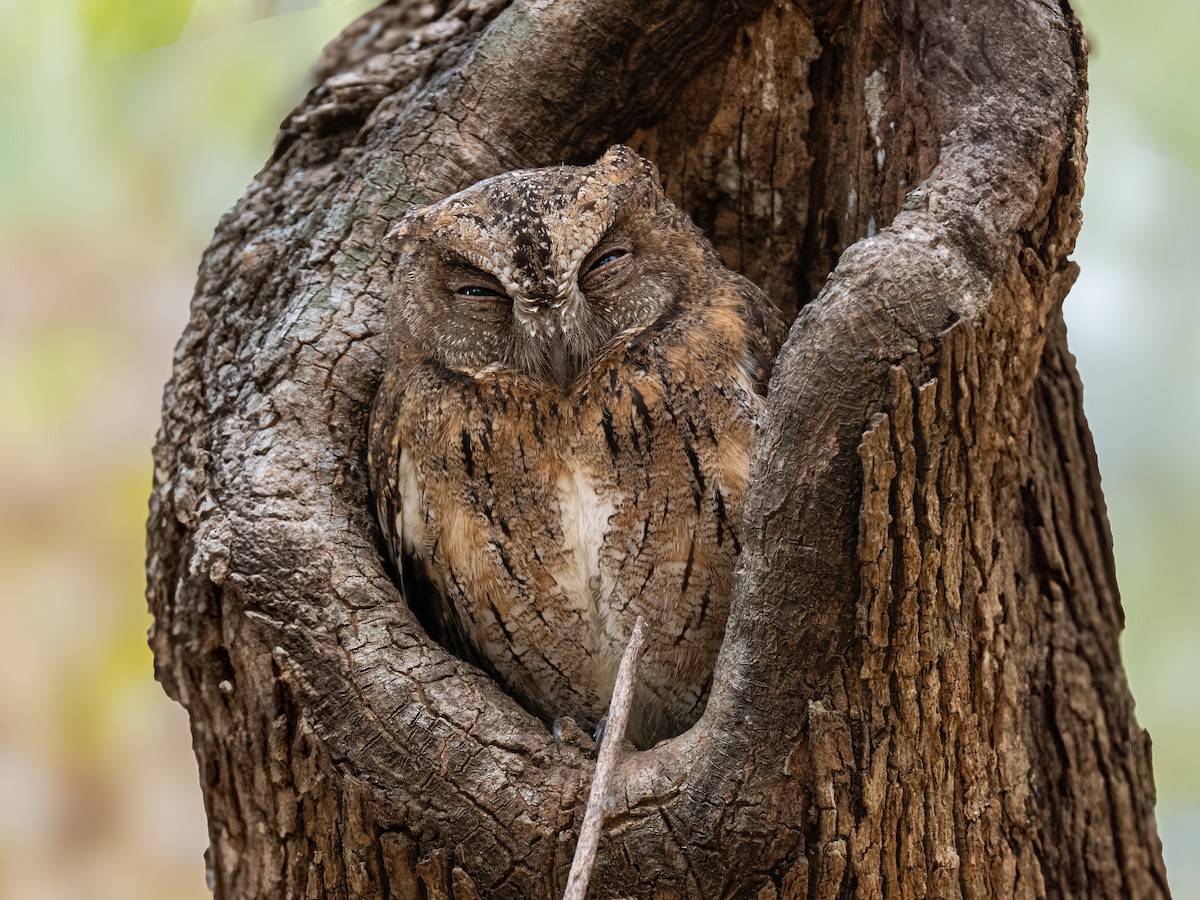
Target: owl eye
{"points": [[478, 291], [607, 262]]}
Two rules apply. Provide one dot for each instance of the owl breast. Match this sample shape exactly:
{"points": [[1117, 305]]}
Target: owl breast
{"points": [[586, 509], [545, 521]]}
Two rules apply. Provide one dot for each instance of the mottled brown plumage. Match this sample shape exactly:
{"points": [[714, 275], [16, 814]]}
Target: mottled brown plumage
{"points": [[561, 440]]}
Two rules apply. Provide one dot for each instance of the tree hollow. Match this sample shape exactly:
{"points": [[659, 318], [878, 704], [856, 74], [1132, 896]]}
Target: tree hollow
{"points": [[920, 691]]}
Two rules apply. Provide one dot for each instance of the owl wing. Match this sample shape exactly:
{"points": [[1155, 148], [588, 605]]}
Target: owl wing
{"points": [[765, 330], [398, 498], [383, 464]]}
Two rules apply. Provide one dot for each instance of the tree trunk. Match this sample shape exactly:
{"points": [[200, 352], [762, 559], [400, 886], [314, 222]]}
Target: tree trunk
{"points": [[920, 691]]}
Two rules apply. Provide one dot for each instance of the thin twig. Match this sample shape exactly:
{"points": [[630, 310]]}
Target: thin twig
{"points": [[606, 765]]}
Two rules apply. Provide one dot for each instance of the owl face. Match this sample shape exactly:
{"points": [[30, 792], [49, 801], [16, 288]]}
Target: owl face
{"points": [[537, 270]]}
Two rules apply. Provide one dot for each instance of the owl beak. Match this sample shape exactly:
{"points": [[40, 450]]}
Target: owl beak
{"points": [[562, 366]]}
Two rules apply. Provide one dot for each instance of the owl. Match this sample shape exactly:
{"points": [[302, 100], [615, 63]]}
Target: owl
{"points": [[561, 439]]}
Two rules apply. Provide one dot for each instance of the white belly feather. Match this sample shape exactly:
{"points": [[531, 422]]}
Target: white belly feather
{"points": [[585, 522]]}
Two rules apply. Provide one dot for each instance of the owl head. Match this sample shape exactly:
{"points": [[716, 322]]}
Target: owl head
{"points": [[537, 270]]}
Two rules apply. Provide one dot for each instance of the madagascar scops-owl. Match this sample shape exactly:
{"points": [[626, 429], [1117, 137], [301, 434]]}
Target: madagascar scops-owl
{"points": [[561, 439]]}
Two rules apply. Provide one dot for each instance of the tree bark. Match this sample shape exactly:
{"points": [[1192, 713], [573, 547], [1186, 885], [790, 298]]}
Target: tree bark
{"points": [[920, 691]]}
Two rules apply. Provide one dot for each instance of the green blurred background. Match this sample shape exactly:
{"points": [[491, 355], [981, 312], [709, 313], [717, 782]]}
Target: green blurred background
{"points": [[128, 126]]}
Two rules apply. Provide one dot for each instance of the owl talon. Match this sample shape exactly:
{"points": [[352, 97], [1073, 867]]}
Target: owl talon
{"points": [[565, 730]]}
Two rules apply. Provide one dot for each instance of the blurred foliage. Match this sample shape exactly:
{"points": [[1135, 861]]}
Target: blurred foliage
{"points": [[128, 126], [1146, 62], [1134, 325], [112, 28]]}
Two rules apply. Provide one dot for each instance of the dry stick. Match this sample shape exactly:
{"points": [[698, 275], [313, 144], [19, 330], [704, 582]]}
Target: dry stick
{"points": [[606, 765]]}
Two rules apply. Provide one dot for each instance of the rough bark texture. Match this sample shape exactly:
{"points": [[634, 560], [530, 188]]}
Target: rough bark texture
{"points": [[920, 692]]}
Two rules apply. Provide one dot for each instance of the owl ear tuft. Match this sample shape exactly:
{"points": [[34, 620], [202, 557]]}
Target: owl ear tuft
{"points": [[400, 238], [621, 159]]}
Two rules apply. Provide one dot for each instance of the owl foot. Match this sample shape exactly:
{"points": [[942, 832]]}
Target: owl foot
{"points": [[566, 731], [598, 734]]}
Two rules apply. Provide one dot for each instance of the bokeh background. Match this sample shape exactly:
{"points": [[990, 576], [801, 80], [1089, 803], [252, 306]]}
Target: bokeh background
{"points": [[128, 126]]}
